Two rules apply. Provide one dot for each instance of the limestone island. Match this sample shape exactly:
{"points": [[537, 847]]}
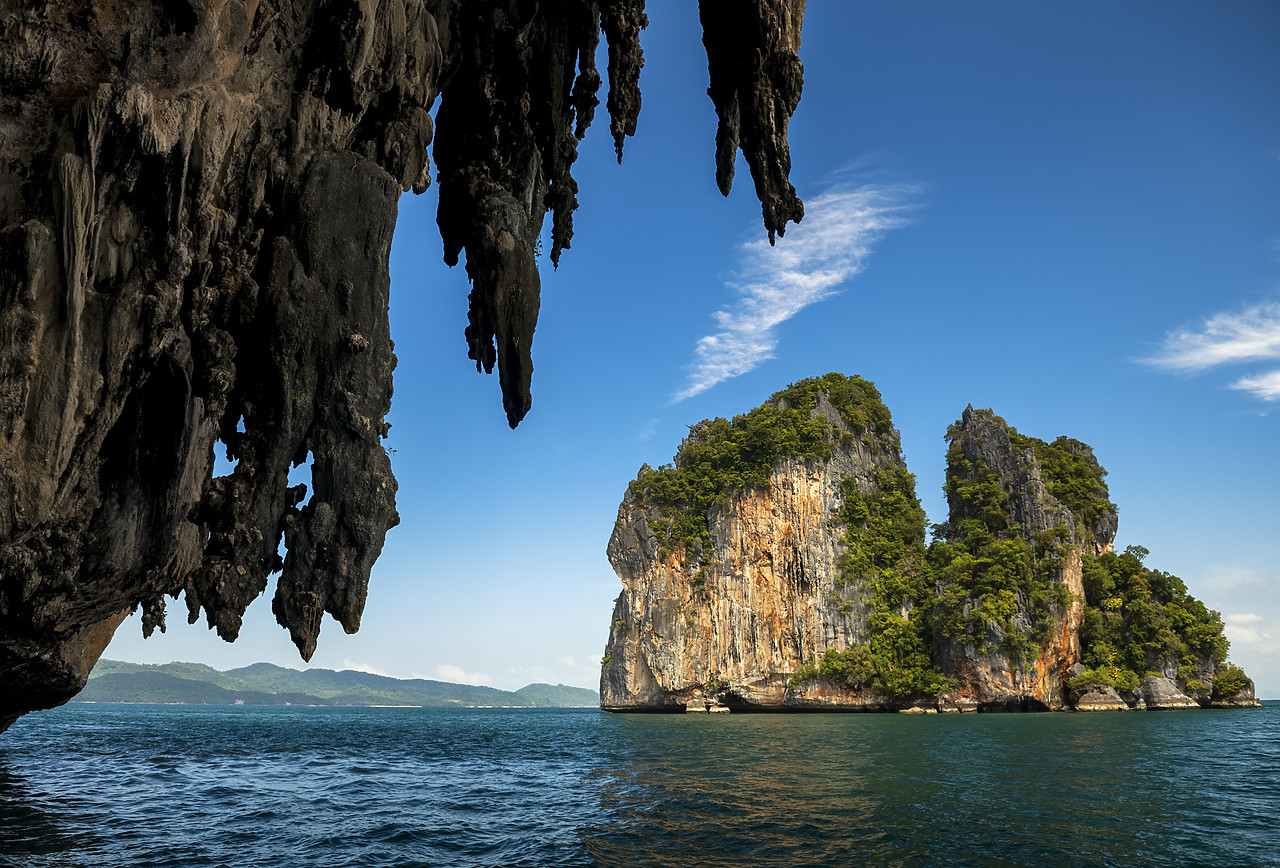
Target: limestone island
{"points": [[780, 563]]}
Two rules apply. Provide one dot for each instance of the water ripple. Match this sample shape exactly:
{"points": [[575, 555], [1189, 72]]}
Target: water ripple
{"points": [[188, 786]]}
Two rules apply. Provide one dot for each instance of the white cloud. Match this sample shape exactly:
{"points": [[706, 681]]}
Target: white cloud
{"points": [[1265, 386], [816, 257], [1249, 631], [1225, 338], [1242, 578], [532, 674], [361, 667], [1251, 638], [582, 670], [458, 675]]}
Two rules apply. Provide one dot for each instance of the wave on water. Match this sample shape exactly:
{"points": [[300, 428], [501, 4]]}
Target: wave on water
{"points": [[95, 785]]}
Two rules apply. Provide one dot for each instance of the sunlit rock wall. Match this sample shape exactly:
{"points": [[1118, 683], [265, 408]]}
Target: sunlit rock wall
{"points": [[733, 632]]}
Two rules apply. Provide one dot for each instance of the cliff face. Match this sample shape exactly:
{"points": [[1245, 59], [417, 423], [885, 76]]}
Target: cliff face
{"points": [[728, 621], [196, 208], [780, 564], [729, 632], [996, 486]]}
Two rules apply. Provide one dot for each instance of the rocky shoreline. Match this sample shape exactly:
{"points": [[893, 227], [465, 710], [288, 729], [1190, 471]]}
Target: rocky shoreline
{"points": [[1156, 693]]}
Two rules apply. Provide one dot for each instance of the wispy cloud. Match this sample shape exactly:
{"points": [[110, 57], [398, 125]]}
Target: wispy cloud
{"points": [[1225, 338], [459, 675], [1250, 335], [534, 674], [1265, 386], [1248, 630], [582, 669], [813, 261]]}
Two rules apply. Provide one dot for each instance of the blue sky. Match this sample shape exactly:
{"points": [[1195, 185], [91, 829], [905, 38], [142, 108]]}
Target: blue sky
{"points": [[1069, 213]]}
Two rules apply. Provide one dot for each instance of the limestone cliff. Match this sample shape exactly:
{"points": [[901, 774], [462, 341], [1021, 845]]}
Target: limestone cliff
{"points": [[196, 207], [727, 613], [1035, 609], [1002, 512], [780, 564]]}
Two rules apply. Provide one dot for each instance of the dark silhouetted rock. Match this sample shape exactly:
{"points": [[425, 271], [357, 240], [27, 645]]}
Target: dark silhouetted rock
{"points": [[196, 208]]}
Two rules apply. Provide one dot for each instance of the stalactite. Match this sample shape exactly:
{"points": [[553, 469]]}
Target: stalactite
{"points": [[196, 208]]}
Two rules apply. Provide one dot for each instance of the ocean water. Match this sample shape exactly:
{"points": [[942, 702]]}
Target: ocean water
{"points": [[116, 785]]}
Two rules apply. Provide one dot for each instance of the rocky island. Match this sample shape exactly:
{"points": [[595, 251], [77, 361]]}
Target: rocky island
{"points": [[780, 563], [196, 207]]}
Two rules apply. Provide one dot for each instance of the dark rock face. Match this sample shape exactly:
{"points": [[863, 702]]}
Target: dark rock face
{"points": [[196, 208], [753, 56], [985, 440]]}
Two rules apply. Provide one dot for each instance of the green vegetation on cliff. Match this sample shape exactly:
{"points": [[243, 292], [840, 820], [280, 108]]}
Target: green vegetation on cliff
{"points": [[988, 570], [994, 575], [1068, 469], [990, 575], [1229, 680], [884, 558], [884, 530], [1072, 475], [1136, 619], [724, 456]]}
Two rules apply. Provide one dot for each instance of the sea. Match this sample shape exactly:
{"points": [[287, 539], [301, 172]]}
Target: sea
{"points": [[154, 785]]}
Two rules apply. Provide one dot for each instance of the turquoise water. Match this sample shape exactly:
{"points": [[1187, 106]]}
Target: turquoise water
{"points": [[198, 786]]}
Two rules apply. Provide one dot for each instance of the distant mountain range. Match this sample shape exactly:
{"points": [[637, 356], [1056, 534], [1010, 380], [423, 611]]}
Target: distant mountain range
{"points": [[266, 684]]}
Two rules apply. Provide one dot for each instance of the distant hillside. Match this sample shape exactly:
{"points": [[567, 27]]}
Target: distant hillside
{"points": [[266, 684], [559, 696]]}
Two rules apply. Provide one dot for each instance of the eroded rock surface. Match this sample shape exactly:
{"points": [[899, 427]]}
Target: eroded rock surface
{"points": [[983, 451], [730, 624], [1242, 698], [196, 208], [1099, 698], [1157, 693], [803, 583]]}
